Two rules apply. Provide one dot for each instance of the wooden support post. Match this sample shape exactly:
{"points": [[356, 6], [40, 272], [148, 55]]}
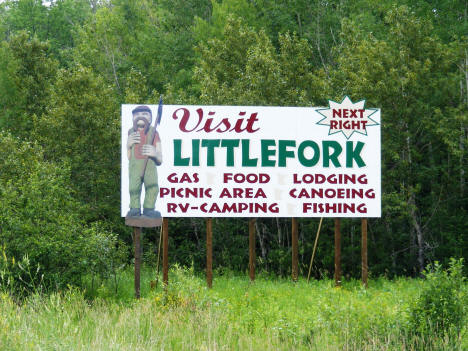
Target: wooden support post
{"points": [[165, 252], [252, 249], [337, 252], [209, 252], [295, 251], [364, 251], [136, 242]]}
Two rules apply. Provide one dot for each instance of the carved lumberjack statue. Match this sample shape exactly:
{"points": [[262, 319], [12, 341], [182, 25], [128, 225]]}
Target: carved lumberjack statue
{"points": [[144, 154]]}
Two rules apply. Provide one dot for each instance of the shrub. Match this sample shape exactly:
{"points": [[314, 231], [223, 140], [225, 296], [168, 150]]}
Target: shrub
{"points": [[441, 307], [40, 218]]}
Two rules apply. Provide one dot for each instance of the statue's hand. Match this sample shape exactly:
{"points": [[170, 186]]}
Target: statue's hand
{"points": [[133, 138], [152, 152]]}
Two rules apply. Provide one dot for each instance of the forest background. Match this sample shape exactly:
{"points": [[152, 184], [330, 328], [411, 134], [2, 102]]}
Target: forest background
{"points": [[66, 68]]}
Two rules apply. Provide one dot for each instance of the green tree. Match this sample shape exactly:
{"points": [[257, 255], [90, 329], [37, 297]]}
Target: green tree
{"points": [[26, 76], [64, 18], [153, 38], [81, 129], [55, 23], [40, 217], [411, 76], [213, 27], [245, 68], [27, 15]]}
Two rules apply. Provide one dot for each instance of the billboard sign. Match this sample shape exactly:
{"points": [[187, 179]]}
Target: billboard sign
{"points": [[253, 161]]}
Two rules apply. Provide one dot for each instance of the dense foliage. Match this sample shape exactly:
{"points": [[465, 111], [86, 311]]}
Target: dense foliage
{"points": [[66, 67], [441, 308]]}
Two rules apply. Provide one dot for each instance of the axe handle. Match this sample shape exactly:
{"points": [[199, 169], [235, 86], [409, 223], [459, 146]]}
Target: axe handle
{"points": [[142, 175]]}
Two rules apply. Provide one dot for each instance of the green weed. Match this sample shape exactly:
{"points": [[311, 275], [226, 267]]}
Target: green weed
{"points": [[269, 314], [441, 307]]}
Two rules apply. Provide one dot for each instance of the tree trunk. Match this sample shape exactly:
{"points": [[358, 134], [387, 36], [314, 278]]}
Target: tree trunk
{"points": [[194, 225], [412, 209], [462, 154], [463, 129], [419, 232], [261, 240], [278, 228], [317, 41]]}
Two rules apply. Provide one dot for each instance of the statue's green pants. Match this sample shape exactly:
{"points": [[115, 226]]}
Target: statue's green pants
{"points": [[150, 180]]}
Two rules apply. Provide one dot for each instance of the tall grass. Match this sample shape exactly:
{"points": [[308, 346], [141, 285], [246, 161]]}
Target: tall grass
{"points": [[270, 314]]}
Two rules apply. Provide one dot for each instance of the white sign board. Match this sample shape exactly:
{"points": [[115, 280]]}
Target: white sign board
{"points": [[256, 161]]}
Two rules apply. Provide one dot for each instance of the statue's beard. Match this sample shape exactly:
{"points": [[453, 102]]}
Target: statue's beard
{"points": [[141, 123]]}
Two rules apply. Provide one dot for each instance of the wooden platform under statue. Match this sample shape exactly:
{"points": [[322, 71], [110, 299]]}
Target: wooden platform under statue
{"points": [[143, 222]]}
